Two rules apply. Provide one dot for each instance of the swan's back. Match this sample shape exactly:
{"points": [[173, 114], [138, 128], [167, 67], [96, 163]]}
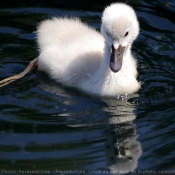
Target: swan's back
{"points": [[68, 48], [62, 31]]}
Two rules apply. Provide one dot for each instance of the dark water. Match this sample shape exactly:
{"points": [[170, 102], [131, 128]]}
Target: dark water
{"points": [[45, 127]]}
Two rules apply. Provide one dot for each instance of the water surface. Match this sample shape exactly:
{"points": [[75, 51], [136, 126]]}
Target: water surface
{"points": [[46, 127]]}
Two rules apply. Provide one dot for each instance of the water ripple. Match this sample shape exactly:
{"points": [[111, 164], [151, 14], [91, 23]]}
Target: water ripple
{"points": [[46, 126]]}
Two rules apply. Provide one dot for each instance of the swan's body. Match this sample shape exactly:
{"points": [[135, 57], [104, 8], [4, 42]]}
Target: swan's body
{"points": [[78, 56]]}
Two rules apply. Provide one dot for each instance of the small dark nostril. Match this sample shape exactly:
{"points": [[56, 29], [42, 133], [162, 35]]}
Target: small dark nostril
{"points": [[129, 158]]}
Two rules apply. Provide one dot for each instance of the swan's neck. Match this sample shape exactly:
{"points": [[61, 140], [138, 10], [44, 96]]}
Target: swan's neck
{"points": [[104, 68], [105, 81]]}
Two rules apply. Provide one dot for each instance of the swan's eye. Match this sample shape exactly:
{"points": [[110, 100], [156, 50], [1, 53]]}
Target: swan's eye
{"points": [[126, 34]]}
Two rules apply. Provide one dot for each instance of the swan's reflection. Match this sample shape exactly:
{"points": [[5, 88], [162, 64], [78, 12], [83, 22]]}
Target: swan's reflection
{"points": [[122, 149]]}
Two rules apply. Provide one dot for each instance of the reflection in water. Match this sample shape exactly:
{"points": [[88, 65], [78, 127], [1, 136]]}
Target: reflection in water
{"points": [[121, 148], [36, 127]]}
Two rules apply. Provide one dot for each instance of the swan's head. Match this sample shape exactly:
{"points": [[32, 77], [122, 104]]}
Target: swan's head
{"points": [[120, 28]]}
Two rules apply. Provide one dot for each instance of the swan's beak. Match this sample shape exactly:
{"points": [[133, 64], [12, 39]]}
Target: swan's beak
{"points": [[116, 59]]}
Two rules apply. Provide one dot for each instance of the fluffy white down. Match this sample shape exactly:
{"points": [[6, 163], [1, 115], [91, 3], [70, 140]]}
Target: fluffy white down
{"points": [[78, 56]]}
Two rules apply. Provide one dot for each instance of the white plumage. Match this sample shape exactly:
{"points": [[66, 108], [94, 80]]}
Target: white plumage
{"points": [[78, 56]]}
